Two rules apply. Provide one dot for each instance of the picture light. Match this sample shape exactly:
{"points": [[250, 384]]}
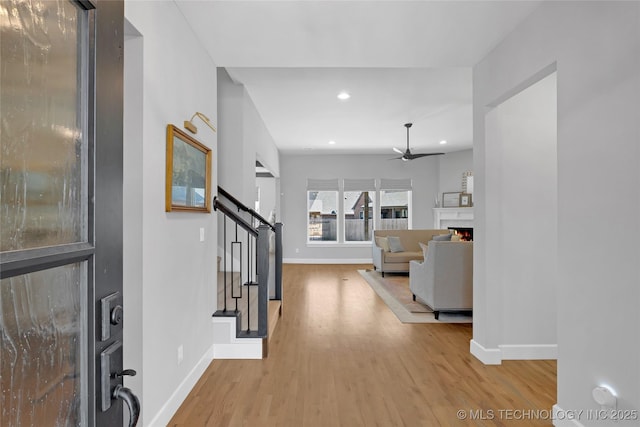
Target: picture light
{"points": [[188, 124]]}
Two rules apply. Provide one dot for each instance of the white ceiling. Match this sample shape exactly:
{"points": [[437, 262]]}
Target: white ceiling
{"points": [[401, 61]]}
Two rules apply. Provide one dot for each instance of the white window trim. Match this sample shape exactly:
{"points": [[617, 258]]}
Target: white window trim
{"points": [[341, 241]]}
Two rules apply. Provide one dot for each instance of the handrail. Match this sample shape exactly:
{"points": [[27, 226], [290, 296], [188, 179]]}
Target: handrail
{"points": [[242, 207], [218, 206]]}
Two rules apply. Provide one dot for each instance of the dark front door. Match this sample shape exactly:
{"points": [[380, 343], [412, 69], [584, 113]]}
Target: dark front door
{"points": [[60, 212]]}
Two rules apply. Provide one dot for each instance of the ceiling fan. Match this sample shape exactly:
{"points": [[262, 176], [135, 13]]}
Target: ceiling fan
{"points": [[407, 155]]}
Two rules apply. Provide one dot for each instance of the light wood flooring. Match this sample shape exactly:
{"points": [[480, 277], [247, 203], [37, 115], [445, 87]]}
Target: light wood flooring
{"points": [[340, 357]]}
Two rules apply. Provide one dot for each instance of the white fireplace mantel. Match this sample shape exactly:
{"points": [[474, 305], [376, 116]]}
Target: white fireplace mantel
{"points": [[452, 217]]}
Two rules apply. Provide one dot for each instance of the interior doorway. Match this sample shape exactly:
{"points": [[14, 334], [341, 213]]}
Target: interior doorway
{"points": [[522, 218]]}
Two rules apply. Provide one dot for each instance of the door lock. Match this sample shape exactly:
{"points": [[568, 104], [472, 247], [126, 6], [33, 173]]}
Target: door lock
{"points": [[111, 314], [116, 315]]}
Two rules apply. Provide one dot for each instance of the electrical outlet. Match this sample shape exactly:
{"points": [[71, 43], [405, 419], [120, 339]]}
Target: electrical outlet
{"points": [[297, 250], [180, 353], [202, 234]]}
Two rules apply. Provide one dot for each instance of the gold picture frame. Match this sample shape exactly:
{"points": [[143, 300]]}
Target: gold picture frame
{"points": [[465, 200], [188, 177]]}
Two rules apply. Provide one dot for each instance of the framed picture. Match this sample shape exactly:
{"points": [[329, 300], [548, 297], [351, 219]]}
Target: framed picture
{"points": [[451, 200], [465, 200], [188, 180]]}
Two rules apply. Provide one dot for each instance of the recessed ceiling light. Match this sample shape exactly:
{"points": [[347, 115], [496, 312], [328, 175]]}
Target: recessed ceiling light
{"points": [[332, 142], [443, 142], [343, 96]]}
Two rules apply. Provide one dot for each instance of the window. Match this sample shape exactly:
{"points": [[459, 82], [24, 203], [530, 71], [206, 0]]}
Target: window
{"points": [[347, 211], [395, 204], [358, 203], [322, 210]]}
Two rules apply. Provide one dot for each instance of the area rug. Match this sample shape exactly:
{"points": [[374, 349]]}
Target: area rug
{"points": [[394, 291]]}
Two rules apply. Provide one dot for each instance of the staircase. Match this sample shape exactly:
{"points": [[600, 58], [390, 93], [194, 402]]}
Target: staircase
{"points": [[249, 281]]}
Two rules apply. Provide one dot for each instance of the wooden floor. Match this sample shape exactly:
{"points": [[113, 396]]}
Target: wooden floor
{"points": [[340, 357]]}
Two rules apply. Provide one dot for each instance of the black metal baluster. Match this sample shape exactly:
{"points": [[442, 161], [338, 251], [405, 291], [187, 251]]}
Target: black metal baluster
{"points": [[248, 281], [239, 244], [224, 255]]}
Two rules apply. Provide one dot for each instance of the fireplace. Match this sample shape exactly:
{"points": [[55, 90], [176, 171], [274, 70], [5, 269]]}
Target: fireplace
{"points": [[452, 217], [465, 233]]}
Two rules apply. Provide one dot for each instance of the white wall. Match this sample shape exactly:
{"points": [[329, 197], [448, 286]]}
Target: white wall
{"points": [[267, 195], [452, 165], [258, 140], [295, 169], [596, 46], [243, 138], [232, 167], [522, 196], [176, 269]]}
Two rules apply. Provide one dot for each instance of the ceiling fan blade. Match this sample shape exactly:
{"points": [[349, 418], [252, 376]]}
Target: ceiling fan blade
{"points": [[407, 155], [415, 156]]}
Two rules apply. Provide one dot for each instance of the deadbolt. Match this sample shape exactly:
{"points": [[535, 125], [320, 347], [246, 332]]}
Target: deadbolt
{"points": [[116, 315], [111, 314]]}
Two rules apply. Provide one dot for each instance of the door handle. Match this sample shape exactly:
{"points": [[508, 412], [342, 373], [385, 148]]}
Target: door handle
{"points": [[110, 358], [132, 401]]}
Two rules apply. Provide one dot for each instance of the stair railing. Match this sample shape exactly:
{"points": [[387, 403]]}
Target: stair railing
{"points": [[252, 263], [276, 228]]}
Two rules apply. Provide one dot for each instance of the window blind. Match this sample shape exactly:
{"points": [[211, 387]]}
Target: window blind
{"points": [[322, 184], [362, 184], [395, 184]]}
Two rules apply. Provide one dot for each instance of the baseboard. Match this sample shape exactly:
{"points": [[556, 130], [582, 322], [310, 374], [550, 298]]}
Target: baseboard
{"points": [[488, 356], [529, 352], [327, 261], [562, 418], [170, 407], [495, 356], [227, 346]]}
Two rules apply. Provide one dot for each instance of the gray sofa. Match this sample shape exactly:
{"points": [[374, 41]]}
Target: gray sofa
{"points": [[444, 280]]}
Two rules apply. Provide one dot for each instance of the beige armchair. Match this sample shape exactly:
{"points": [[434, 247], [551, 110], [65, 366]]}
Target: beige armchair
{"points": [[444, 280]]}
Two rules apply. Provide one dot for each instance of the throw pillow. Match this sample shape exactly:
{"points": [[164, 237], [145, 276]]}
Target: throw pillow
{"points": [[395, 245], [424, 249], [442, 237], [383, 243]]}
